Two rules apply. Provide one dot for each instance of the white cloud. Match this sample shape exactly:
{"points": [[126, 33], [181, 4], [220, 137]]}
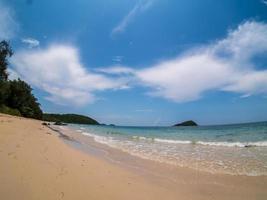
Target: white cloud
{"points": [[225, 65], [31, 42], [58, 71], [184, 79], [8, 25], [140, 7], [251, 82], [264, 2], [116, 70], [12, 75]]}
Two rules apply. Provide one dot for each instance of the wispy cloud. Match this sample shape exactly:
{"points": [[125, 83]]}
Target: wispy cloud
{"points": [[8, 25], [140, 7], [144, 110], [116, 70], [117, 59], [31, 42], [58, 71], [264, 2]]}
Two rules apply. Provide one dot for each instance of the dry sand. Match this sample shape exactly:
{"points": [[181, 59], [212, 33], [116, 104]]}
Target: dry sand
{"points": [[36, 164]]}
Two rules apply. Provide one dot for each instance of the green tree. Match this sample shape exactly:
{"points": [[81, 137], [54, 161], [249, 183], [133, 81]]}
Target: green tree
{"points": [[4, 92], [21, 98], [15, 96], [5, 53]]}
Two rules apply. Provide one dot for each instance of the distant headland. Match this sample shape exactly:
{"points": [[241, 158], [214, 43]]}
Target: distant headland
{"points": [[69, 118]]}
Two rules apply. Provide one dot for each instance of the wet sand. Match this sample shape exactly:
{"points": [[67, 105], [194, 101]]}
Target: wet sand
{"points": [[36, 163]]}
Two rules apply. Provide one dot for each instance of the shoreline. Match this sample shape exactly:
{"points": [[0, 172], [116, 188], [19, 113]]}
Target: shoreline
{"points": [[37, 164], [228, 160]]}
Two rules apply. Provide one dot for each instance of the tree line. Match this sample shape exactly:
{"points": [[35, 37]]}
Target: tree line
{"points": [[69, 118], [16, 96]]}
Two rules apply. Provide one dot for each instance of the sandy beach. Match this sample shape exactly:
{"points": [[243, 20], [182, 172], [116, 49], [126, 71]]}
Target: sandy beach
{"points": [[35, 163]]}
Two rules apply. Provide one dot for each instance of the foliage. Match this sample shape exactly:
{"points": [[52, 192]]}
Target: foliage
{"points": [[5, 52], [10, 111], [4, 91], [15, 95], [69, 118], [21, 98]]}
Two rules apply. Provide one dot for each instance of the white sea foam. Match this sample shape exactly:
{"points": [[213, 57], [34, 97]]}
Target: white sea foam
{"points": [[62, 127], [162, 140], [181, 153], [99, 139], [235, 144], [225, 144], [144, 138], [172, 141], [88, 134], [211, 143]]}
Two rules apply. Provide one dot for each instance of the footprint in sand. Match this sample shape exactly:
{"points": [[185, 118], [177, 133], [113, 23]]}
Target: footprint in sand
{"points": [[10, 153], [62, 172], [62, 195]]}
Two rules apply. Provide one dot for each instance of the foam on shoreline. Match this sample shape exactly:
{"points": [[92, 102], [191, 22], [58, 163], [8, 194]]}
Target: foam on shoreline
{"points": [[213, 157]]}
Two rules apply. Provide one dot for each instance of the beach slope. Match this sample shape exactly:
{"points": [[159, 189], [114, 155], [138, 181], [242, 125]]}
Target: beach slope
{"points": [[36, 164]]}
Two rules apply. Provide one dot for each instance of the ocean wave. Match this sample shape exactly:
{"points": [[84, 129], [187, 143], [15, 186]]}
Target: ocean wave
{"points": [[159, 140], [235, 144], [213, 160], [210, 143], [142, 138], [173, 141], [229, 157], [107, 140], [98, 138], [223, 144]]}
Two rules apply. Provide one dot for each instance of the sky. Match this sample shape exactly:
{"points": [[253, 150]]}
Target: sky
{"points": [[142, 62]]}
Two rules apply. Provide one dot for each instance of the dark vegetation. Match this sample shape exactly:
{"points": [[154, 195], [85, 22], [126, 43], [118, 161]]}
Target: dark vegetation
{"points": [[16, 96], [187, 123], [69, 118]]}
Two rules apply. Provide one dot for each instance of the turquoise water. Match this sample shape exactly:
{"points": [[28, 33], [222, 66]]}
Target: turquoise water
{"points": [[232, 149]]}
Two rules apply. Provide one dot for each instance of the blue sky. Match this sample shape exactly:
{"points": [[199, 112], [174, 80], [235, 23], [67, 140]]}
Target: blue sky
{"points": [[142, 62]]}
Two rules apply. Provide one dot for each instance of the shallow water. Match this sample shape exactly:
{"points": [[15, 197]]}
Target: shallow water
{"points": [[231, 149]]}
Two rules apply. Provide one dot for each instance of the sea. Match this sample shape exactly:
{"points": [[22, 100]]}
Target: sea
{"points": [[237, 149]]}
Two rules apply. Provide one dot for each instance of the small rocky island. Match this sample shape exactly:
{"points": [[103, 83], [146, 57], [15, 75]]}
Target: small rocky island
{"points": [[187, 123]]}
